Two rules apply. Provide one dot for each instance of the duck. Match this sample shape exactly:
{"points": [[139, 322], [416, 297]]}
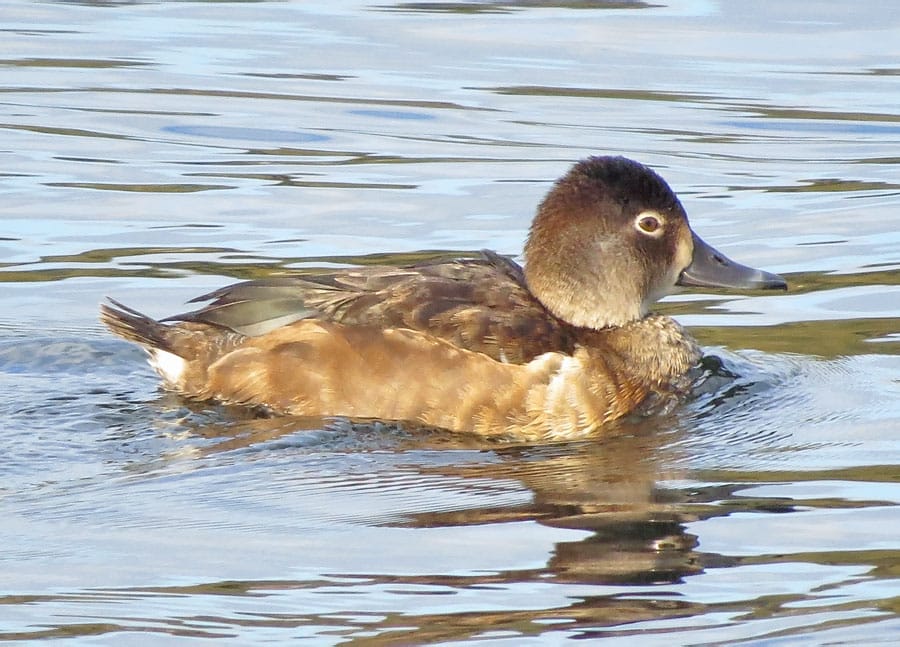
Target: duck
{"points": [[558, 348]]}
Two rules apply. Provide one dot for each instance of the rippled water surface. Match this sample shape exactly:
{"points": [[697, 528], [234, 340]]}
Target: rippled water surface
{"points": [[153, 151]]}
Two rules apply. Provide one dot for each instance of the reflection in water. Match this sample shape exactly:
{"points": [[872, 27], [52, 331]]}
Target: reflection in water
{"points": [[621, 491], [608, 487], [629, 506], [165, 152]]}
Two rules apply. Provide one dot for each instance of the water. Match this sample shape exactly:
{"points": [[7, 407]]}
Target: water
{"points": [[154, 151]]}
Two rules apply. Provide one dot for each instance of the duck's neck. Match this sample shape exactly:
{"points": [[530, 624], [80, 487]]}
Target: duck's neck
{"points": [[567, 278], [656, 348], [584, 299], [594, 313]]}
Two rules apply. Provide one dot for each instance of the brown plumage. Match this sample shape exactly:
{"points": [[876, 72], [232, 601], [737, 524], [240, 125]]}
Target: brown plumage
{"points": [[556, 350]]}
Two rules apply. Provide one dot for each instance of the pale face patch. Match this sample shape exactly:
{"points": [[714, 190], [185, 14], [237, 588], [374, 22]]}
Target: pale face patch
{"points": [[684, 254]]}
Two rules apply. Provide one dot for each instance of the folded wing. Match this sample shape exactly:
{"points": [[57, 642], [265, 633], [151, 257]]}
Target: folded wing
{"points": [[477, 304]]}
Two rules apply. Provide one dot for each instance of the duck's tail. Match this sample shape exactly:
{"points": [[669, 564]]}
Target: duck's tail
{"points": [[136, 327], [171, 354]]}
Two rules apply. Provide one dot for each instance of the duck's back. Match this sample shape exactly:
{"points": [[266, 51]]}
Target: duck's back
{"points": [[479, 304]]}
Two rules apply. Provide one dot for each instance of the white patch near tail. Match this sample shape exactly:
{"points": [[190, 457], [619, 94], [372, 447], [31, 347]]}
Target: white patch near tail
{"points": [[169, 365]]}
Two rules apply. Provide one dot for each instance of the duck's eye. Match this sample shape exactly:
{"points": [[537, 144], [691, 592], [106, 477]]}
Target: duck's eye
{"points": [[648, 224]]}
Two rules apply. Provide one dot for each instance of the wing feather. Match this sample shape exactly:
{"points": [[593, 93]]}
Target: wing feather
{"points": [[479, 304]]}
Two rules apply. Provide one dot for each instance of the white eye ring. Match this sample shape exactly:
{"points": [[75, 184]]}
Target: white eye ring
{"points": [[650, 223]]}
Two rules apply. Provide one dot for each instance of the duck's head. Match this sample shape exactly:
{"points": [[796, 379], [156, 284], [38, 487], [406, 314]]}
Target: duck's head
{"points": [[611, 238]]}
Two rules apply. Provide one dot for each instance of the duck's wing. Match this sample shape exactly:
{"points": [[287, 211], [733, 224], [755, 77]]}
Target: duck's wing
{"points": [[478, 304]]}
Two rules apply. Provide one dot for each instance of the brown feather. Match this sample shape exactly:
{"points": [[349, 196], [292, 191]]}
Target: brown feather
{"points": [[557, 350], [480, 304]]}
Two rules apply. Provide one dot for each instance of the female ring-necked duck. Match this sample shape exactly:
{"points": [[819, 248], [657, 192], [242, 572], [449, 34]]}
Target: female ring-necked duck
{"points": [[556, 349]]}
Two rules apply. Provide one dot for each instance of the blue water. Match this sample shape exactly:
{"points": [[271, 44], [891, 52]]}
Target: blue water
{"points": [[156, 151]]}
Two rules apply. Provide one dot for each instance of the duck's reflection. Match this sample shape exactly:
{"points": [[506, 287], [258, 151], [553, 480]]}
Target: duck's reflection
{"points": [[622, 488], [612, 486]]}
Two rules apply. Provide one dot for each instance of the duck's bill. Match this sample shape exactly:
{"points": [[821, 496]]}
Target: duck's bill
{"points": [[710, 268]]}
